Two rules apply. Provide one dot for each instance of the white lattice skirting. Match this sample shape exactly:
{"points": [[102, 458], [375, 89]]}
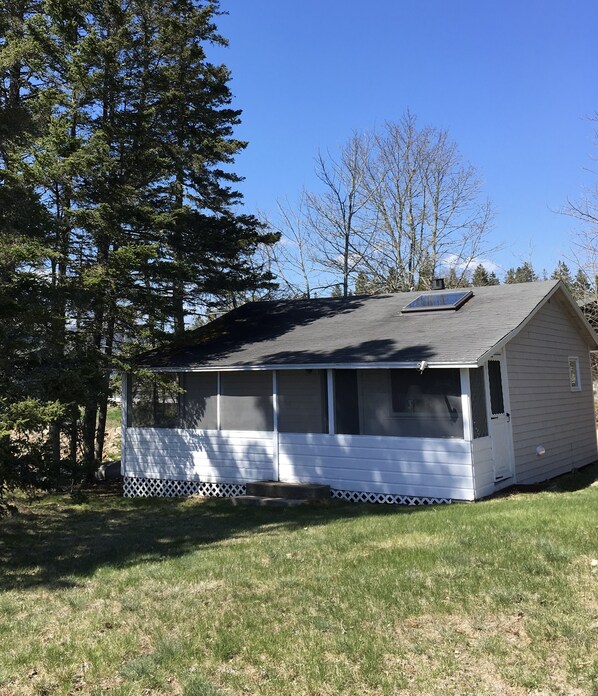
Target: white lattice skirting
{"points": [[163, 488], [362, 497]]}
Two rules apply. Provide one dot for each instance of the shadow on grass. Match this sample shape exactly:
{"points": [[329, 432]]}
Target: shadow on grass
{"points": [[567, 483], [57, 543]]}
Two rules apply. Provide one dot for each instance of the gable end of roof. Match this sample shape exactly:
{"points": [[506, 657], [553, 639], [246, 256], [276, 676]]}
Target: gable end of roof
{"points": [[558, 291]]}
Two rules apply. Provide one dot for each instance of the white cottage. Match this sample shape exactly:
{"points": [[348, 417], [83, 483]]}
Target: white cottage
{"points": [[410, 398]]}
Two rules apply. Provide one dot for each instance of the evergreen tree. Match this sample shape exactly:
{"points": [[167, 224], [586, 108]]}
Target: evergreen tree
{"points": [[510, 276], [26, 408], [480, 277], [363, 284], [581, 287], [522, 274], [207, 247], [562, 272], [456, 280], [118, 213]]}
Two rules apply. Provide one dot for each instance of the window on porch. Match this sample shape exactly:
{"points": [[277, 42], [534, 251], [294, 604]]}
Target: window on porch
{"points": [[246, 401], [401, 402], [302, 401], [154, 401], [478, 402], [428, 403], [200, 400]]}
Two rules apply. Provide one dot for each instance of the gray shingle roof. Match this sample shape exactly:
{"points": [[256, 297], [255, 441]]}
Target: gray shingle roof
{"points": [[358, 330]]}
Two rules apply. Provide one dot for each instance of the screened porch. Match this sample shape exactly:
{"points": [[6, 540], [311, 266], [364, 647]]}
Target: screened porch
{"points": [[369, 402]]}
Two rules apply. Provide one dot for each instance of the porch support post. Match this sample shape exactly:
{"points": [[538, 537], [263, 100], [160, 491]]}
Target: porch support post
{"points": [[218, 390], [275, 424], [466, 405], [330, 391], [124, 406]]}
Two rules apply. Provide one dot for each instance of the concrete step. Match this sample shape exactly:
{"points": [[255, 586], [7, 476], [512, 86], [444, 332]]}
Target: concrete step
{"points": [[261, 501], [290, 491]]}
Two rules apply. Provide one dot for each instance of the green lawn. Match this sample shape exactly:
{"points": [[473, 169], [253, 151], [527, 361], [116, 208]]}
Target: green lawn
{"points": [[113, 416], [199, 597]]}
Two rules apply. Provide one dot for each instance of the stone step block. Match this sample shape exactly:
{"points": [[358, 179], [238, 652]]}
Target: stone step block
{"points": [[290, 491]]}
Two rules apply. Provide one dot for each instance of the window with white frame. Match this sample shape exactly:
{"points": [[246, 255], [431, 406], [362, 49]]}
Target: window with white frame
{"points": [[574, 380]]}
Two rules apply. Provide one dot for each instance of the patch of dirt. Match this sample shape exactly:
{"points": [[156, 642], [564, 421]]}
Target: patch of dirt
{"points": [[112, 443], [473, 655]]}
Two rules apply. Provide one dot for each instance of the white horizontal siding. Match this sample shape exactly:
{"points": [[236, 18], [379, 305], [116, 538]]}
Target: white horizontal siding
{"points": [[427, 467], [195, 455], [483, 467], [544, 410]]}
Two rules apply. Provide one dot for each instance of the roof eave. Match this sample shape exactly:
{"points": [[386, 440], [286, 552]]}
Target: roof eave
{"points": [[316, 366], [559, 286]]}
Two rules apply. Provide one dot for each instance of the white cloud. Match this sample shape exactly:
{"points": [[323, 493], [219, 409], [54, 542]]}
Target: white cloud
{"points": [[453, 261]]}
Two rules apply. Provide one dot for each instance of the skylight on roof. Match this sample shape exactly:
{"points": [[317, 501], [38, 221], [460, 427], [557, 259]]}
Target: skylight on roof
{"points": [[434, 301]]}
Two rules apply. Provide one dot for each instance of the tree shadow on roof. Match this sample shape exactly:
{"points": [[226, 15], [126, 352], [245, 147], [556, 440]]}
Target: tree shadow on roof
{"points": [[250, 324], [380, 350]]}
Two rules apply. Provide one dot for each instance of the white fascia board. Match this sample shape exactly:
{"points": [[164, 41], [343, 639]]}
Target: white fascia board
{"points": [[497, 347], [572, 304], [317, 366]]}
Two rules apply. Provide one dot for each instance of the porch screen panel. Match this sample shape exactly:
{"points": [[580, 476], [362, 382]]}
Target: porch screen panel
{"points": [[425, 404], [154, 401], [140, 402], [478, 402], [200, 407], [346, 402], [246, 401], [302, 401]]}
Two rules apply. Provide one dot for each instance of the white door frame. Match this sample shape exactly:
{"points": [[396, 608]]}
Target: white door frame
{"points": [[499, 426]]}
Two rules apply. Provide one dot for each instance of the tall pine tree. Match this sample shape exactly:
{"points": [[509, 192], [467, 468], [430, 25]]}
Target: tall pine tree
{"points": [[117, 141]]}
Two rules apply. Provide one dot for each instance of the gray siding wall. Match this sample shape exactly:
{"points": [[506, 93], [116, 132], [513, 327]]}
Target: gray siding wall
{"points": [[544, 410], [426, 467]]}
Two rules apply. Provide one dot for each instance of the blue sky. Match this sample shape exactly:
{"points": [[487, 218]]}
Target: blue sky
{"points": [[512, 81]]}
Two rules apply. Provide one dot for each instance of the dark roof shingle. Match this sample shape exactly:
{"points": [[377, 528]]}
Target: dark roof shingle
{"points": [[359, 329]]}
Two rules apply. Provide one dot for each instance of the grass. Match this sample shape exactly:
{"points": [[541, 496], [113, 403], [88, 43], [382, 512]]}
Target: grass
{"points": [[201, 598], [113, 416]]}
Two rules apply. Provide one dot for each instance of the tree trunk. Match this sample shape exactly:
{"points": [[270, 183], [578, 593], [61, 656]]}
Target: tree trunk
{"points": [[89, 430], [103, 400], [101, 429], [178, 302], [74, 433], [54, 437]]}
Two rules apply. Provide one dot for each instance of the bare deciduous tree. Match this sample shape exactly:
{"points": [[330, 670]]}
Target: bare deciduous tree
{"points": [[292, 258], [585, 245], [340, 216], [395, 207], [427, 206]]}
